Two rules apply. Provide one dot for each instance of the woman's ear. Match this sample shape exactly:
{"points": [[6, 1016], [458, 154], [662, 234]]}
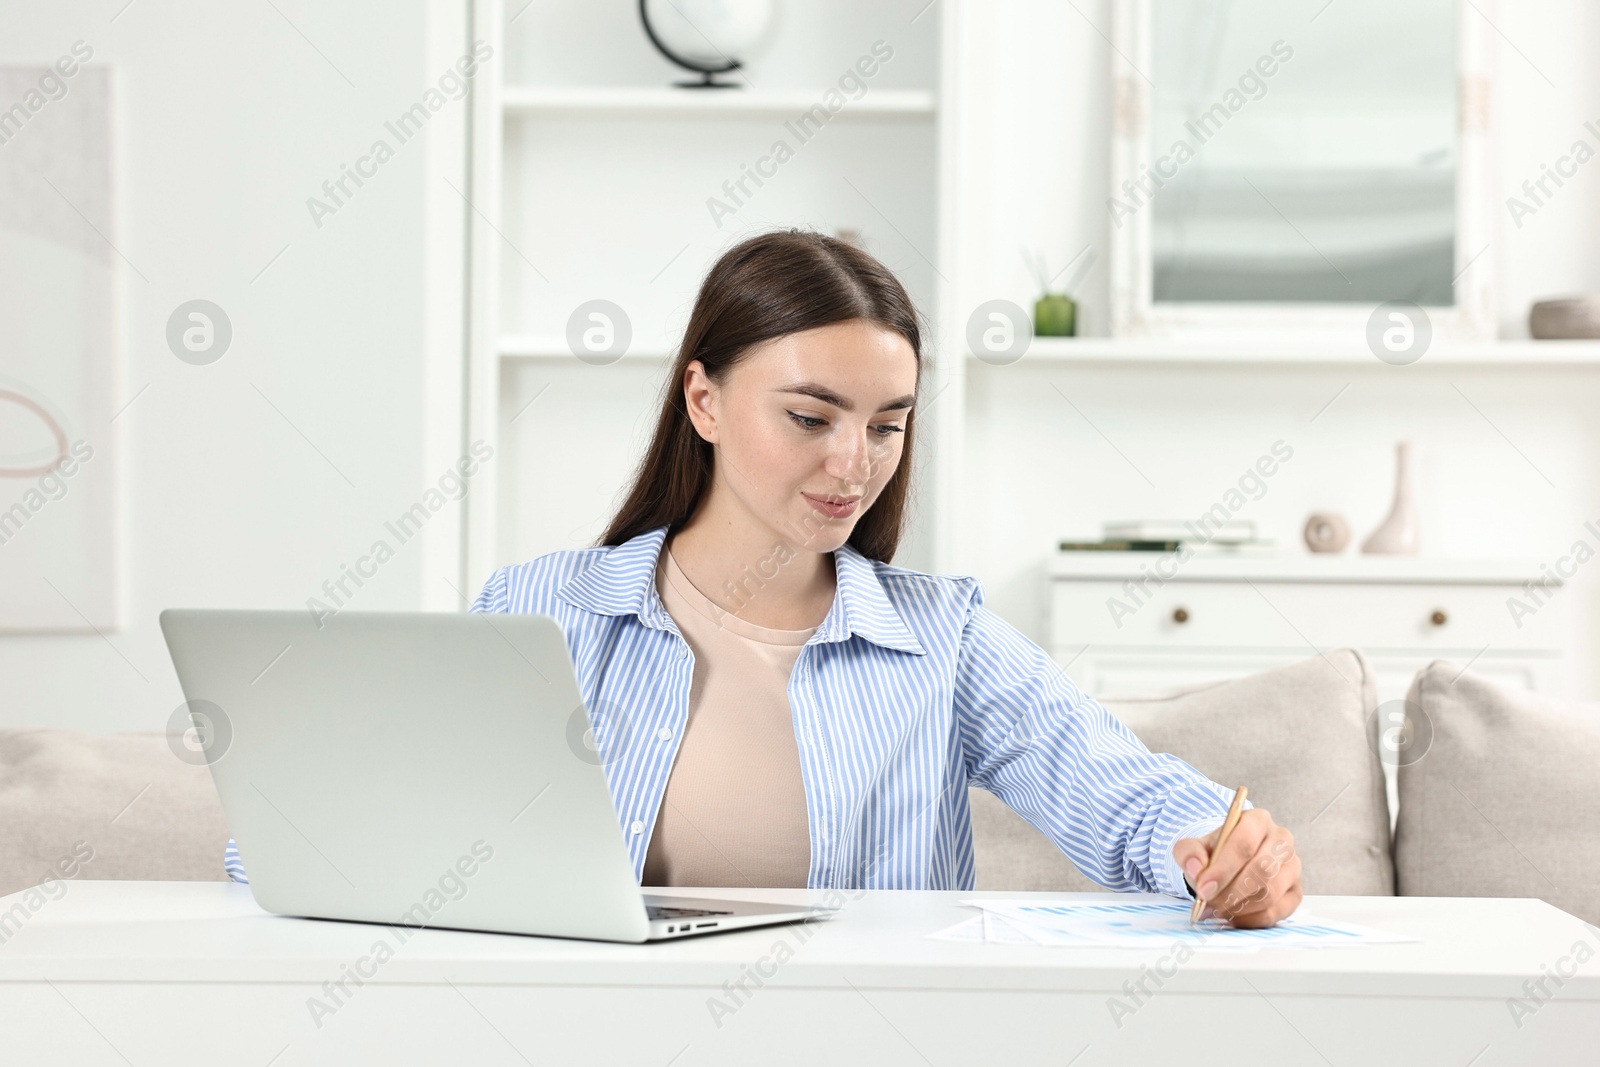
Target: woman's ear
{"points": [[700, 396]]}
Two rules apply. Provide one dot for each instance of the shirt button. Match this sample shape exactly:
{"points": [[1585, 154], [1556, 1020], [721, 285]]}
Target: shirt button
{"points": [[683, 651], [638, 827], [664, 733]]}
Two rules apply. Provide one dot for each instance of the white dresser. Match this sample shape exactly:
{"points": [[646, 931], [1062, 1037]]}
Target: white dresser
{"points": [[1134, 623]]}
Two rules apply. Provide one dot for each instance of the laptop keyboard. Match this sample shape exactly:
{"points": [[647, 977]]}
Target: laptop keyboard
{"points": [[659, 911]]}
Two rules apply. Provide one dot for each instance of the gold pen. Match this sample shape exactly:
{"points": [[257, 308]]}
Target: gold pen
{"points": [[1235, 810]]}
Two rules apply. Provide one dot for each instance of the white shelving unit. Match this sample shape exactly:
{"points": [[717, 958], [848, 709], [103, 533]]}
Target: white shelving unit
{"points": [[576, 123]]}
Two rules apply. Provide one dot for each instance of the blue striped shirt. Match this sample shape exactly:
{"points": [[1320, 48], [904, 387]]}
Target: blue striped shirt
{"points": [[908, 692]]}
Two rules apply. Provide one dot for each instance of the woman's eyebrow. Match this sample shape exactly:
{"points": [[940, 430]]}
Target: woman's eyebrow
{"points": [[828, 396]]}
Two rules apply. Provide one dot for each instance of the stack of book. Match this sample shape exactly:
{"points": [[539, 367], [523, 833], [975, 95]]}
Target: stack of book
{"points": [[1203, 537]]}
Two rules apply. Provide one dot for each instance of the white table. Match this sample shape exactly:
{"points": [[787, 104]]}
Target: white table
{"points": [[175, 973]]}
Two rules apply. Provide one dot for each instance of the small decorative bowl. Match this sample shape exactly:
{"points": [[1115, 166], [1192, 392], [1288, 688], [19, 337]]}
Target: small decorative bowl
{"points": [[1574, 318]]}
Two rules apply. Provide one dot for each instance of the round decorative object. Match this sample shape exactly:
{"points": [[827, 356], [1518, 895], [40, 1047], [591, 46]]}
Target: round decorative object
{"points": [[1181, 615], [1326, 531], [1574, 318], [1439, 618], [705, 36]]}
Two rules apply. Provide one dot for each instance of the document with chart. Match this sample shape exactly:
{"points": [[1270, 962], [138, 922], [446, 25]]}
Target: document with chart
{"points": [[1145, 922]]}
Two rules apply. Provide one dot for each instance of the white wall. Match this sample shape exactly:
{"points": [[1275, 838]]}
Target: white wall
{"points": [[249, 482], [1037, 472]]}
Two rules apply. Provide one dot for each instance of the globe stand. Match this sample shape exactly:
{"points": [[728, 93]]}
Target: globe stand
{"points": [[707, 82], [707, 79]]}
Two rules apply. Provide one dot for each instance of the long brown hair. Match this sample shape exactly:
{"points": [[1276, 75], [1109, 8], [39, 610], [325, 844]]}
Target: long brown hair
{"points": [[768, 286]]}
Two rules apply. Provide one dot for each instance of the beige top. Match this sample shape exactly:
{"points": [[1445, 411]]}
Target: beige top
{"points": [[734, 813]]}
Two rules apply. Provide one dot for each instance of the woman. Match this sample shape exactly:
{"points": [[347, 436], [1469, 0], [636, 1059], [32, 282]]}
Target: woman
{"points": [[776, 705]]}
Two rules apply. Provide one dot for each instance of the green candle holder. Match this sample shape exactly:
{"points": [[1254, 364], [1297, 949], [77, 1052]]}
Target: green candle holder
{"points": [[1055, 315]]}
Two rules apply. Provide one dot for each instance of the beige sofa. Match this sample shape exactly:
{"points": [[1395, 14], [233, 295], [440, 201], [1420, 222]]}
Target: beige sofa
{"points": [[1498, 791]]}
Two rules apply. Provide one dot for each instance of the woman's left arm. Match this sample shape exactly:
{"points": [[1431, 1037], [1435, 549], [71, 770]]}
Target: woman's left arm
{"points": [[1128, 818]]}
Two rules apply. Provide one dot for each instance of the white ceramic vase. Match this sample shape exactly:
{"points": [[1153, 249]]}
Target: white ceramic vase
{"points": [[1397, 535]]}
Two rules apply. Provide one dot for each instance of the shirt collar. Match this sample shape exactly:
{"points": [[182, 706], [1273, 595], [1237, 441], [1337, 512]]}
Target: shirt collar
{"points": [[622, 582]]}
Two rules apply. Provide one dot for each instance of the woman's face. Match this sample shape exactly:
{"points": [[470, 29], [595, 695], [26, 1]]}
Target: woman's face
{"points": [[805, 419]]}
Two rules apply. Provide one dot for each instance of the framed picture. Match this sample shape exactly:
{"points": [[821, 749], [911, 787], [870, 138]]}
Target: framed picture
{"points": [[58, 356], [1279, 168]]}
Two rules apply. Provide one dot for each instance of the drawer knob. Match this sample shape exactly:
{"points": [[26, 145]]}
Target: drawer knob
{"points": [[1438, 618], [1181, 615]]}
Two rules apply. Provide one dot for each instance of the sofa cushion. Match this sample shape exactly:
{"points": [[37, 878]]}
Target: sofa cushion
{"points": [[1302, 737], [81, 805], [1499, 794]]}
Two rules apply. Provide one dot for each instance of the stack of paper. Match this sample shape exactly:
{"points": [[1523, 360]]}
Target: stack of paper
{"points": [[1234, 538], [1145, 922], [1229, 532]]}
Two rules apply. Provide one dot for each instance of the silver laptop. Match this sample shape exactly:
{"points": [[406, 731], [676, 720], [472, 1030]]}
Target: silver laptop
{"points": [[426, 769]]}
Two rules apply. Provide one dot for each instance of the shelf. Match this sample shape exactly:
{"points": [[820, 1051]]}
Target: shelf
{"points": [[1293, 352], [554, 347], [529, 100], [1298, 567], [1103, 351]]}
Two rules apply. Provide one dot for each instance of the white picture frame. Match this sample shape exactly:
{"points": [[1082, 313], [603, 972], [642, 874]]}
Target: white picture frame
{"points": [[60, 364], [1134, 313]]}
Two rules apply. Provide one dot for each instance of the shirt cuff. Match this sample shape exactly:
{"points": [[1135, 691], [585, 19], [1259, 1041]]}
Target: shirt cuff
{"points": [[1198, 828]]}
